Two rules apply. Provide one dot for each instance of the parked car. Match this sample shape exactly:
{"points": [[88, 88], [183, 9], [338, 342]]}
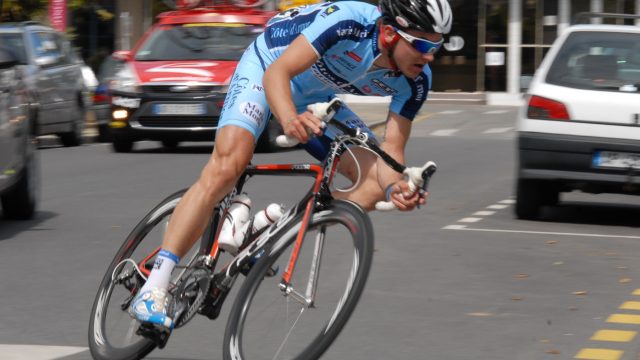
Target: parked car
{"points": [[53, 76], [580, 128], [19, 185], [174, 82], [101, 104]]}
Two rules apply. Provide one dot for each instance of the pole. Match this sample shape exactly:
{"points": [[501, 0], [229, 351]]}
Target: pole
{"points": [[514, 62], [564, 14]]}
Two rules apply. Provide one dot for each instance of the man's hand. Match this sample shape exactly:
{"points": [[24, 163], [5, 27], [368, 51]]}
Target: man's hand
{"points": [[301, 126], [402, 197]]}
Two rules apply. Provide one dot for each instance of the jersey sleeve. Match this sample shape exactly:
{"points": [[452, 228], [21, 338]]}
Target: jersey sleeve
{"points": [[408, 103], [336, 22]]}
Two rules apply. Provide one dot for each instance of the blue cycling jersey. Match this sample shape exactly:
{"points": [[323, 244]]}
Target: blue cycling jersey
{"points": [[345, 37]]}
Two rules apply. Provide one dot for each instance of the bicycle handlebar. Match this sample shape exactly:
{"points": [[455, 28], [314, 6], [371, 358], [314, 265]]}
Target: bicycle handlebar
{"points": [[417, 177], [324, 111]]}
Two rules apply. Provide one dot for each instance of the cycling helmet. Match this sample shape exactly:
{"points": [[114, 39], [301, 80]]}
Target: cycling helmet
{"points": [[433, 16]]}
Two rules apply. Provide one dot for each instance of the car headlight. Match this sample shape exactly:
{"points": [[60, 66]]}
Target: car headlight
{"points": [[125, 80]]}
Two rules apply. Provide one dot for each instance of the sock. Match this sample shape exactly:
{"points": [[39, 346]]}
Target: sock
{"points": [[161, 272]]}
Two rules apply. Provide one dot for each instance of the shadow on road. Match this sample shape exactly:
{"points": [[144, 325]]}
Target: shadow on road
{"points": [[9, 228], [593, 213]]}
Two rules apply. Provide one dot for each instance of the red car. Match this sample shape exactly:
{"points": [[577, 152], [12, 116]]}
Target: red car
{"points": [[174, 82]]}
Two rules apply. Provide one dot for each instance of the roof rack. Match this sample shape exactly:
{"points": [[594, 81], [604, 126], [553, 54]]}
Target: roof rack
{"points": [[584, 17]]}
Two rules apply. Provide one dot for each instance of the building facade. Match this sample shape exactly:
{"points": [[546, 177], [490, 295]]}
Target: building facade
{"points": [[504, 40]]}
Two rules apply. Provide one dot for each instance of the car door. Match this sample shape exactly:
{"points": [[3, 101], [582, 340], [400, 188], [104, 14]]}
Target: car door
{"points": [[70, 73], [6, 130], [48, 57]]}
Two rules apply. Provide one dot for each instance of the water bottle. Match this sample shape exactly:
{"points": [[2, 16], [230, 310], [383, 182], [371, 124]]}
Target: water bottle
{"points": [[264, 218], [236, 218]]}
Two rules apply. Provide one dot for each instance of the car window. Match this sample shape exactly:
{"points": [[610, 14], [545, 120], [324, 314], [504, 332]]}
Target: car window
{"points": [[109, 67], [223, 41], [15, 44], [598, 61], [47, 44]]}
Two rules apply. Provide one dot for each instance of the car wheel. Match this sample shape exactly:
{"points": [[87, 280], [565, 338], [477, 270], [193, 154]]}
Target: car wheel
{"points": [[529, 199], [74, 137], [104, 134], [122, 144], [170, 144], [20, 202], [267, 140]]}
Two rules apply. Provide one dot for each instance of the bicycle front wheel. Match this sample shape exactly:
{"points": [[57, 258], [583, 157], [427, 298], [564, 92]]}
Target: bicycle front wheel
{"points": [[269, 321], [112, 331]]}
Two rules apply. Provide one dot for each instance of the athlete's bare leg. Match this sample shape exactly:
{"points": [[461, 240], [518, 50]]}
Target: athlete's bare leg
{"points": [[232, 153], [368, 191]]}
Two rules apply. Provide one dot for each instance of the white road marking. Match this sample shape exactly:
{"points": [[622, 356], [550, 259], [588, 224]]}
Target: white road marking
{"points": [[497, 207], [462, 227], [37, 352], [455, 227], [470, 220], [483, 213], [496, 112], [507, 201], [444, 132], [497, 130], [450, 112]]}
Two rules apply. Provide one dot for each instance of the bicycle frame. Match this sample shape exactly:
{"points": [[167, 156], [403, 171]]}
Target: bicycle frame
{"points": [[318, 197]]}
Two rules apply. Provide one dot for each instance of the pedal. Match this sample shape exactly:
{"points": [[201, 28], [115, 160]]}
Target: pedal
{"points": [[158, 335], [213, 305]]}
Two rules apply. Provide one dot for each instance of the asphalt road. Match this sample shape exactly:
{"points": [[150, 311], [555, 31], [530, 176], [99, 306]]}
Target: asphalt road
{"points": [[460, 279]]}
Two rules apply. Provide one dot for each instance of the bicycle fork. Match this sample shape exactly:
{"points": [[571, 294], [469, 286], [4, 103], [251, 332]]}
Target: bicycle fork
{"points": [[308, 298]]}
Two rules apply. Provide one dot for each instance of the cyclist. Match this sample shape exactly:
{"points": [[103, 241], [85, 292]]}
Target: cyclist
{"points": [[307, 55]]}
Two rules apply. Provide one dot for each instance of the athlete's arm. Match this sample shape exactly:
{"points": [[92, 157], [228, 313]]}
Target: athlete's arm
{"points": [[298, 57], [398, 129]]}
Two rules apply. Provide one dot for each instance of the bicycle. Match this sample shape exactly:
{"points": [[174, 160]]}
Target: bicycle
{"points": [[197, 288]]}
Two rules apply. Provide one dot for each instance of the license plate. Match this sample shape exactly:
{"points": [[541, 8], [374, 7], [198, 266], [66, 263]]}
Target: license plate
{"points": [[179, 109], [619, 160]]}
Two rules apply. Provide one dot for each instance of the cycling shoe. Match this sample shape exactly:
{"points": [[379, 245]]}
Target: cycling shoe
{"points": [[150, 308]]}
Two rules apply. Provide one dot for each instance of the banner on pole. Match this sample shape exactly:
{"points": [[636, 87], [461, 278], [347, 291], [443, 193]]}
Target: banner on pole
{"points": [[58, 14]]}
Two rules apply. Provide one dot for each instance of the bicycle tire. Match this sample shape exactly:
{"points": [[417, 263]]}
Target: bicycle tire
{"points": [[101, 344], [243, 321]]}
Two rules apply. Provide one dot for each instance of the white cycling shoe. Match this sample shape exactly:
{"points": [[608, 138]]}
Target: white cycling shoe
{"points": [[150, 307]]}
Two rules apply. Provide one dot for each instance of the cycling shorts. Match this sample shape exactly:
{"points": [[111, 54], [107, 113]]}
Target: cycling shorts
{"points": [[246, 105]]}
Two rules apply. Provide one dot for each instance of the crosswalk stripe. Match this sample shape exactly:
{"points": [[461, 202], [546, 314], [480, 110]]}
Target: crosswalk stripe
{"points": [[37, 352], [497, 130], [491, 112], [624, 319], [599, 354], [614, 335], [450, 112], [444, 132]]}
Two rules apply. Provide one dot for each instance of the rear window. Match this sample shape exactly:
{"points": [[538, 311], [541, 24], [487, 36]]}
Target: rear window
{"points": [[216, 41], [598, 61]]}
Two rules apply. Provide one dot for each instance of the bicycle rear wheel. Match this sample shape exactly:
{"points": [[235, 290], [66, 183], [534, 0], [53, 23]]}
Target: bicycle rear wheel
{"points": [[266, 323], [112, 332]]}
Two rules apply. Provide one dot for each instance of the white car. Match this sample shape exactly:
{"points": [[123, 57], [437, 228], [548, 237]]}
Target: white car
{"points": [[580, 126]]}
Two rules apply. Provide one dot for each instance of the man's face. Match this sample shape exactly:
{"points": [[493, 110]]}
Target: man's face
{"points": [[408, 58]]}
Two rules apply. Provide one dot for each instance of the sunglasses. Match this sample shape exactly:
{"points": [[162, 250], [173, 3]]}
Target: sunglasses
{"points": [[424, 46]]}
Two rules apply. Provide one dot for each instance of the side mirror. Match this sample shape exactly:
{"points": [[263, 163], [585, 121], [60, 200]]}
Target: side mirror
{"points": [[124, 55], [47, 60], [7, 59]]}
